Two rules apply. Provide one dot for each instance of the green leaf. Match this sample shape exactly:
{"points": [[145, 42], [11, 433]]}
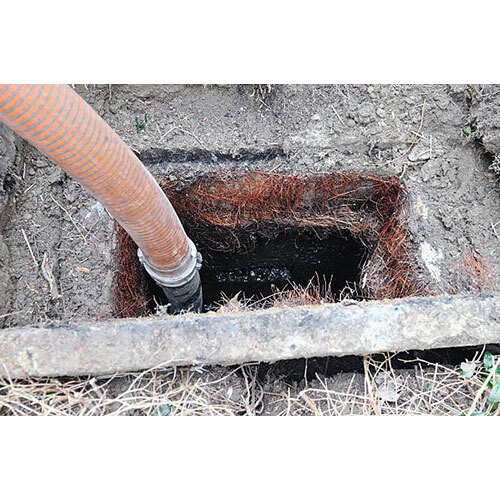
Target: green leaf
{"points": [[468, 131], [488, 360], [494, 396], [162, 411]]}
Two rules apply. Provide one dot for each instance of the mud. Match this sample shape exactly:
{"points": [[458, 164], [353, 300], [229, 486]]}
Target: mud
{"points": [[192, 131]]}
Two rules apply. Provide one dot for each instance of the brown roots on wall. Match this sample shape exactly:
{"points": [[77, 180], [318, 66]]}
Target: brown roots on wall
{"points": [[225, 212]]}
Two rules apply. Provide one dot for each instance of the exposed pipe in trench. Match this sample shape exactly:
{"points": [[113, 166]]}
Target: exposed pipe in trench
{"points": [[60, 124], [267, 335]]}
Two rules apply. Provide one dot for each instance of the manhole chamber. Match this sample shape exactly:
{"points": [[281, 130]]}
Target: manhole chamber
{"points": [[270, 239]]}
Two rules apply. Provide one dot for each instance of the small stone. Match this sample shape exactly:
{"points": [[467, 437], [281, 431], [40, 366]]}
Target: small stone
{"points": [[416, 155], [162, 411], [366, 111], [381, 112], [447, 221], [468, 369], [234, 393], [388, 387], [351, 122], [316, 118]]}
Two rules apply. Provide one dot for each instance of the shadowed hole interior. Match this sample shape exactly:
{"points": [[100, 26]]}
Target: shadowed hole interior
{"points": [[291, 260]]}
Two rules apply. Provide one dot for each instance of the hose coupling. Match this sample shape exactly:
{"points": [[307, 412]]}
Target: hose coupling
{"points": [[182, 287]]}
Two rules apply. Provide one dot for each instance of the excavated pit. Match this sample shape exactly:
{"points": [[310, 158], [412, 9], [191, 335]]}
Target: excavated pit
{"points": [[277, 240]]}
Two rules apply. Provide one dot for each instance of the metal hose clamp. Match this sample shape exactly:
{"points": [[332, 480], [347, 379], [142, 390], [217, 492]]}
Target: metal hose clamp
{"points": [[184, 273]]}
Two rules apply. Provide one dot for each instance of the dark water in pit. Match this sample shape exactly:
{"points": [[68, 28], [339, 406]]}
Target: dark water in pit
{"points": [[274, 264]]}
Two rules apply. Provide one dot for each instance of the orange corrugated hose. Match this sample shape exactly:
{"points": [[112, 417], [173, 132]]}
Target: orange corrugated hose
{"points": [[65, 128]]}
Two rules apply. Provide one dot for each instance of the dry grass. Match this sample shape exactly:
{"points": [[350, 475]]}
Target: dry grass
{"points": [[424, 389], [318, 291]]}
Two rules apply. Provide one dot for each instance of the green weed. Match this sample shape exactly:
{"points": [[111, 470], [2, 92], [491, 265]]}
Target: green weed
{"points": [[141, 125]]}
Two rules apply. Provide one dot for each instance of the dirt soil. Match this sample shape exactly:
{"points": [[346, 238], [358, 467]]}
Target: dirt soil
{"points": [[58, 246]]}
